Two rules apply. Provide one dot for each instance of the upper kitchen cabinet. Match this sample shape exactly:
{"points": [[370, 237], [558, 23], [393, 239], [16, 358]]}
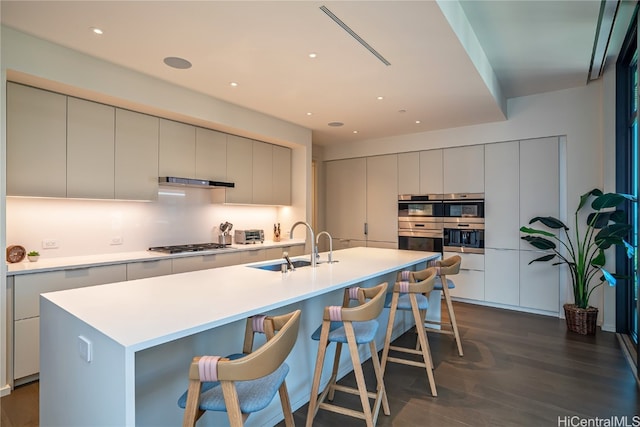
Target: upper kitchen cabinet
{"points": [[464, 169], [211, 155], [239, 169], [136, 156], [431, 176], [177, 149], [90, 149], [262, 173], [281, 175], [409, 173], [346, 201], [420, 172], [36, 142], [539, 187], [502, 195], [382, 199]]}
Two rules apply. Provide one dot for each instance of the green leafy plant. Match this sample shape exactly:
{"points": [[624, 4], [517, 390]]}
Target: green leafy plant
{"points": [[33, 253], [585, 249]]}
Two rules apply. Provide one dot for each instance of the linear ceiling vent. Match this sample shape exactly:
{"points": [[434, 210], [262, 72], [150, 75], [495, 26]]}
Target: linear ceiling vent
{"points": [[353, 34]]}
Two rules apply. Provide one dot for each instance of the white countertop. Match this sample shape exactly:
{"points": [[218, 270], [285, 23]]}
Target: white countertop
{"points": [[144, 313], [66, 263]]}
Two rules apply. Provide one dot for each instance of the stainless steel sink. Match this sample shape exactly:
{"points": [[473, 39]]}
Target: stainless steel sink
{"points": [[277, 265]]}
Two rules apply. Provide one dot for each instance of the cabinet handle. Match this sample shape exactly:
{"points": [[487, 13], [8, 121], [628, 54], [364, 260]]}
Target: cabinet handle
{"points": [[366, 228]]}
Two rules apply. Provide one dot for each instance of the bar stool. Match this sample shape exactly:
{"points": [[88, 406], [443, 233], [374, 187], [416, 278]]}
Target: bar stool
{"points": [[353, 326], [410, 294], [241, 384], [447, 267]]}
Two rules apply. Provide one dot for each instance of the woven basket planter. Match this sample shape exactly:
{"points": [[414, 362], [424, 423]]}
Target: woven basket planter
{"points": [[581, 320]]}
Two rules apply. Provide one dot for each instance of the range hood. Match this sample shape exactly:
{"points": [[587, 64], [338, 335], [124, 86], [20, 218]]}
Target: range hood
{"points": [[192, 182]]}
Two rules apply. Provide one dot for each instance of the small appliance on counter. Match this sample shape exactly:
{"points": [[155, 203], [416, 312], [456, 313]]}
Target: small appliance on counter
{"points": [[244, 237], [225, 229]]}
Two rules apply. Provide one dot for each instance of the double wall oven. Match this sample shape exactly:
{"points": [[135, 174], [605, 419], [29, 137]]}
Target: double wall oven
{"points": [[441, 222]]}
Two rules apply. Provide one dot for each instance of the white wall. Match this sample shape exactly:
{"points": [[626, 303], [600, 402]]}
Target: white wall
{"points": [[83, 226]]}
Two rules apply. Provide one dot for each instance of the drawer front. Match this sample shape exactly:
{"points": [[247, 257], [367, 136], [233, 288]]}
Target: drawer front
{"points": [[469, 261], [28, 287], [26, 350], [205, 262], [469, 284]]}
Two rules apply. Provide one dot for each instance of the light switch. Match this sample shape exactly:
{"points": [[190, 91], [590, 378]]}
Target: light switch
{"points": [[85, 348]]}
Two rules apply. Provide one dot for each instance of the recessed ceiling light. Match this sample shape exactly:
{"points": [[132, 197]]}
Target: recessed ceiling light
{"points": [[312, 55], [335, 124], [233, 84], [418, 122], [175, 62], [309, 114], [96, 30], [380, 98], [355, 131]]}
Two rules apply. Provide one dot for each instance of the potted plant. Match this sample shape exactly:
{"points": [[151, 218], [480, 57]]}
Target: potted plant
{"points": [[33, 256], [584, 251]]}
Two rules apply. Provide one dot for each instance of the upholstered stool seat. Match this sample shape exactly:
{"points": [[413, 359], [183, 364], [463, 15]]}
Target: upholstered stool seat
{"points": [[352, 326], [246, 382], [410, 294]]}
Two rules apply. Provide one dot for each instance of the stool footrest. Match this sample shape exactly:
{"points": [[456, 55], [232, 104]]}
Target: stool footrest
{"points": [[406, 362], [341, 410], [406, 350], [440, 331], [354, 391]]}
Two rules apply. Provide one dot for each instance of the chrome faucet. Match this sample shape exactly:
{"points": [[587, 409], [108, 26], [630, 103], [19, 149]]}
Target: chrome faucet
{"points": [[330, 244], [313, 246]]}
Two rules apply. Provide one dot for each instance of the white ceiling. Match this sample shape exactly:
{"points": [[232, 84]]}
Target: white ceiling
{"points": [[531, 47]]}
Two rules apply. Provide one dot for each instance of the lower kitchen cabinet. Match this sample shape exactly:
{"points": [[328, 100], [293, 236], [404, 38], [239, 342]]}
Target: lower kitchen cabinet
{"points": [[383, 245], [348, 243], [144, 269], [501, 275], [204, 262], [539, 283], [255, 255], [26, 313], [470, 280]]}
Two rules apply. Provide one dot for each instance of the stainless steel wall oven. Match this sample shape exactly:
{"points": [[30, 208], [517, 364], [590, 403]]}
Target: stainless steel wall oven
{"points": [[441, 222]]}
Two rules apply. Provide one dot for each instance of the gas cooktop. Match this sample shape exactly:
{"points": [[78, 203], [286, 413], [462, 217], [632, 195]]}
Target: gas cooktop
{"points": [[196, 247]]}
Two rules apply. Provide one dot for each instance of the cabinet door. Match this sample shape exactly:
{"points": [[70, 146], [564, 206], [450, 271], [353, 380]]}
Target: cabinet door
{"points": [[539, 283], [502, 274], [409, 173], [205, 262], [177, 149], [28, 287], [211, 155], [253, 256], [36, 142], [464, 169], [346, 198], [382, 198], [144, 269], [239, 169], [539, 180], [470, 280], [502, 197], [26, 350], [136, 176], [431, 176], [281, 175], [262, 173], [90, 149]]}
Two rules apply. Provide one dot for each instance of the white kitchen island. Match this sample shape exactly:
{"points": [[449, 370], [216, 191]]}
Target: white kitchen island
{"points": [[118, 354]]}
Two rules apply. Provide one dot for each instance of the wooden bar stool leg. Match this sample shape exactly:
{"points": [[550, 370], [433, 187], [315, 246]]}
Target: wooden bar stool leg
{"points": [[424, 344], [334, 372], [286, 406], [452, 319], [387, 338], [313, 400], [382, 390], [357, 370]]}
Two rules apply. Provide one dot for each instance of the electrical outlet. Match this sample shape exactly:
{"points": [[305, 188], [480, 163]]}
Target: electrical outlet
{"points": [[85, 349], [117, 240], [49, 244]]}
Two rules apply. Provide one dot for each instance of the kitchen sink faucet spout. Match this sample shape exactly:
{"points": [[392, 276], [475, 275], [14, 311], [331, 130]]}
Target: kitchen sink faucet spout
{"points": [[330, 244], [313, 245]]}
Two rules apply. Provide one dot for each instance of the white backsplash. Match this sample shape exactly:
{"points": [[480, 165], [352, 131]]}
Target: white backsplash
{"points": [[87, 227]]}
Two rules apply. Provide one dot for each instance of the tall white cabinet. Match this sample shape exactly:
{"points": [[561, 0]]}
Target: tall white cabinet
{"points": [[518, 189]]}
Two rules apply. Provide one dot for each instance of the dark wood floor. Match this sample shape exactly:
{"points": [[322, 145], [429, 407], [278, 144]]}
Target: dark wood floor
{"points": [[518, 370]]}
